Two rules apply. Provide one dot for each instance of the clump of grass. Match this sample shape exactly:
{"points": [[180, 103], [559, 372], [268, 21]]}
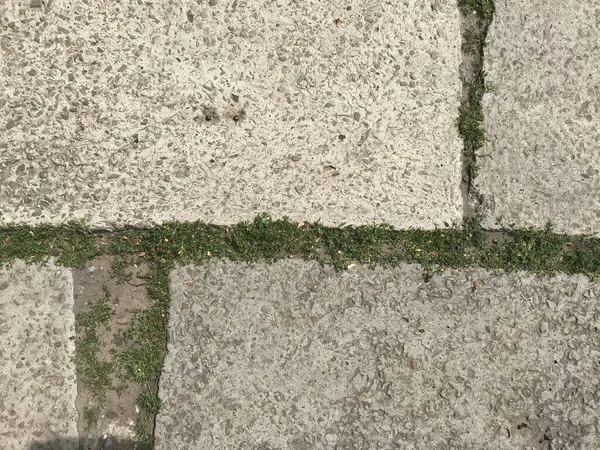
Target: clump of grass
{"points": [[144, 343], [537, 251], [144, 437], [483, 8], [119, 269], [149, 403], [95, 374], [72, 245], [583, 257], [470, 120], [370, 245], [90, 416]]}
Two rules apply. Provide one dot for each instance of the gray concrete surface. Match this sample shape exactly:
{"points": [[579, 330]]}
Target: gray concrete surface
{"points": [[542, 160], [295, 356], [37, 374], [346, 111]]}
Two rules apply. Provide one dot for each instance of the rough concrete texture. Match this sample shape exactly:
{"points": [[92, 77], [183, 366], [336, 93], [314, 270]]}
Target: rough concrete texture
{"points": [[542, 160], [341, 111], [37, 373], [296, 356]]}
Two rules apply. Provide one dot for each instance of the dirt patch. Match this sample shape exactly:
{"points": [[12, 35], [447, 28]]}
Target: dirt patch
{"points": [[105, 307]]}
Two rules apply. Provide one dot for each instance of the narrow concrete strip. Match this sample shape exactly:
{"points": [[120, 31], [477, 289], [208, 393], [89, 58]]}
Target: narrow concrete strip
{"points": [[542, 160], [296, 356], [134, 113], [37, 373]]}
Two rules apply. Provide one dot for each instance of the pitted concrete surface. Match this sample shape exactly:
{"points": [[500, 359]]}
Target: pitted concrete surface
{"points": [[37, 373], [542, 160], [297, 356], [338, 111]]}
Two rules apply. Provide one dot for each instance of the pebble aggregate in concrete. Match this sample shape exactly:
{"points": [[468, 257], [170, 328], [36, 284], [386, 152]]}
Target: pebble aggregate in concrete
{"points": [[37, 372], [298, 356], [136, 113], [542, 160]]}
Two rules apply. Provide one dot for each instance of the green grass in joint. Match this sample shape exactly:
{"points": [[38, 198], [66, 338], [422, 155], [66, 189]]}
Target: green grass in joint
{"points": [[95, 374], [483, 8]]}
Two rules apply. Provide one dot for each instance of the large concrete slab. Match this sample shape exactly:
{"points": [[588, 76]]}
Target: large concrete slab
{"points": [[37, 373], [342, 111], [296, 356], [542, 161]]}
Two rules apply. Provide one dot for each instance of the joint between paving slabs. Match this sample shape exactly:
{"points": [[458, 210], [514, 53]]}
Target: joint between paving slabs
{"points": [[128, 270], [475, 17], [119, 353], [264, 239]]}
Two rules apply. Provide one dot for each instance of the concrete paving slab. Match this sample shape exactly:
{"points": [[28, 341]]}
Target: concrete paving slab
{"points": [[133, 113], [296, 356], [542, 161], [37, 373]]}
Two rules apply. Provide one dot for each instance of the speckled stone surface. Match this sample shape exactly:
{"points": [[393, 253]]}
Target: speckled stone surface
{"points": [[339, 111], [542, 161], [37, 374], [297, 356]]}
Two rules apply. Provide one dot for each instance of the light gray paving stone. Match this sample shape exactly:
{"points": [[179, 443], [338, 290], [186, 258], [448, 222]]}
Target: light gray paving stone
{"points": [[542, 161], [297, 356], [347, 112], [37, 374]]}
